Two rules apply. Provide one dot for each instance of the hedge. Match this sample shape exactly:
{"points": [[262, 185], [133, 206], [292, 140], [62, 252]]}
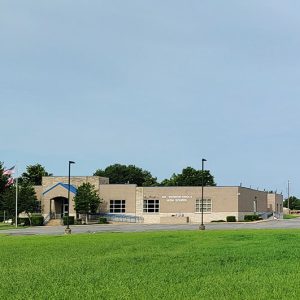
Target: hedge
{"points": [[102, 220], [37, 220], [23, 221], [252, 218], [71, 220], [230, 219]]}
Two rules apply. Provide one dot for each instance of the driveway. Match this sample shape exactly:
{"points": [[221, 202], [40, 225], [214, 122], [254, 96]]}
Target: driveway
{"points": [[58, 230]]}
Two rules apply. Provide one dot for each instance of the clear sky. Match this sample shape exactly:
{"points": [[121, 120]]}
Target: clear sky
{"points": [[159, 84]]}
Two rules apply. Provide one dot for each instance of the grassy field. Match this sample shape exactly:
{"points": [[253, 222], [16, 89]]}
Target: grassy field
{"points": [[158, 265], [290, 216], [4, 226]]}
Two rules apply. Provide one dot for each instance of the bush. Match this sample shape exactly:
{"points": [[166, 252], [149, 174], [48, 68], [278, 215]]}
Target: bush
{"points": [[102, 220], [230, 219], [252, 218], [37, 220], [23, 221], [78, 222], [71, 220], [217, 221]]}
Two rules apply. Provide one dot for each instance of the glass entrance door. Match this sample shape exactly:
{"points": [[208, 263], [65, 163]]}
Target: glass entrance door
{"points": [[65, 209]]}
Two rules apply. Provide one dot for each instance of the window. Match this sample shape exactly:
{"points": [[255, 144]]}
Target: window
{"points": [[117, 206], [206, 205], [151, 206], [38, 208]]}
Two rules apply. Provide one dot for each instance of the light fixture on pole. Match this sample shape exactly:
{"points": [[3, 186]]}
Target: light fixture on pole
{"points": [[202, 227], [68, 229]]}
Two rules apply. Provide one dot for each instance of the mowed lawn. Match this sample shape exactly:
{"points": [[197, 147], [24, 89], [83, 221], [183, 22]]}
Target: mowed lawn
{"points": [[153, 265]]}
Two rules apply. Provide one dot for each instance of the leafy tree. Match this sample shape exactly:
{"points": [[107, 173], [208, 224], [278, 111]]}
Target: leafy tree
{"points": [[294, 203], [5, 190], [34, 174], [27, 201], [190, 177], [86, 199], [3, 179], [8, 201], [121, 174]]}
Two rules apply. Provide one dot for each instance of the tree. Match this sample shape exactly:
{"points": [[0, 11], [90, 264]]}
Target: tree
{"points": [[86, 199], [6, 182], [34, 174], [3, 179], [294, 203], [8, 201], [121, 174], [27, 201], [190, 177]]}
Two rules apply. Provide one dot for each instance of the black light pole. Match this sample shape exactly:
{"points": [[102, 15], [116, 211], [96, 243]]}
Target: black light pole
{"points": [[68, 229], [202, 227]]}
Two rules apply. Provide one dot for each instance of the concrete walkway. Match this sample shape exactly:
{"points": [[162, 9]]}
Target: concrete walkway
{"points": [[58, 230]]}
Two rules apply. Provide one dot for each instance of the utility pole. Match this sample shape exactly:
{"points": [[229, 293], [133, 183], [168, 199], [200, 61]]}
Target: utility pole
{"points": [[289, 196]]}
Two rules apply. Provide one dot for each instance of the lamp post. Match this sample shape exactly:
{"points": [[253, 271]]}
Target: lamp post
{"points": [[68, 229], [202, 227]]}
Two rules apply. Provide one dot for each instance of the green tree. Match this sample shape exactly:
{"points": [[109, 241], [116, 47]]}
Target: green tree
{"points": [[121, 174], [3, 179], [8, 202], [294, 203], [5, 190], [27, 201], [190, 177], [34, 174], [86, 199]]}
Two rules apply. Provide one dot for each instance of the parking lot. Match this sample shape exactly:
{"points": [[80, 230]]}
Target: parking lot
{"points": [[77, 229]]}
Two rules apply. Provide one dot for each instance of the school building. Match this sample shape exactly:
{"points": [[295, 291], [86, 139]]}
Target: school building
{"points": [[167, 205]]}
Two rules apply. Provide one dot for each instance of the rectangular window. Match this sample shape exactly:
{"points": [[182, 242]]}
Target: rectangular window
{"points": [[206, 205], [117, 206], [151, 206]]}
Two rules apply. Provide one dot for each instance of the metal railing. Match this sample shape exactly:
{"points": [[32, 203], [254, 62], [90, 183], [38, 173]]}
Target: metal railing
{"points": [[47, 218], [117, 218], [278, 215], [266, 215]]}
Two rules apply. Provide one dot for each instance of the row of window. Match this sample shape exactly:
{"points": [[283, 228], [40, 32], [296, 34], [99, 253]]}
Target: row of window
{"points": [[152, 206]]}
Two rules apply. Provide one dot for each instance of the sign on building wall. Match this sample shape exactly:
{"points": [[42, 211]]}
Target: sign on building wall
{"points": [[176, 198]]}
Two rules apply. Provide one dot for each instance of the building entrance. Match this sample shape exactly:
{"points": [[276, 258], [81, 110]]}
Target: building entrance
{"points": [[58, 207]]}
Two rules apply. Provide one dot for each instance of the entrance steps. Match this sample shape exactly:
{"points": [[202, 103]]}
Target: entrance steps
{"points": [[54, 222]]}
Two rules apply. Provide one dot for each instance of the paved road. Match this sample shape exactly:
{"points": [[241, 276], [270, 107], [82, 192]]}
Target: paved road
{"points": [[58, 230]]}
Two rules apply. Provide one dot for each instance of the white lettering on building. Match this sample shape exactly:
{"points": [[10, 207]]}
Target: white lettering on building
{"points": [[179, 198]]}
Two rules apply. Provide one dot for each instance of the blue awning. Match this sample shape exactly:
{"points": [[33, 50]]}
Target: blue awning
{"points": [[73, 189]]}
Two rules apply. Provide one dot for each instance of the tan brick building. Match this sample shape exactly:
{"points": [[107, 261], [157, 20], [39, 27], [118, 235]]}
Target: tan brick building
{"points": [[159, 204]]}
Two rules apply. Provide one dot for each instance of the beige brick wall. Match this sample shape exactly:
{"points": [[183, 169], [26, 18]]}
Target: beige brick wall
{"points": [[183, 199], [275, 202], [49, 181], [125, 192]]}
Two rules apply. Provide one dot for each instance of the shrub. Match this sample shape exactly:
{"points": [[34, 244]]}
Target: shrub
{"points": [[71, 220], [217, 221], [102, 220], [251, 218], [23, 221], [230, 219], [78, 222], [37, 220]]}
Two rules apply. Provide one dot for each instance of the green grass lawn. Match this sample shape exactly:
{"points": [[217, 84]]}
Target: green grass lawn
{"points": [[153, 265], [6, 226], [290, 216]]}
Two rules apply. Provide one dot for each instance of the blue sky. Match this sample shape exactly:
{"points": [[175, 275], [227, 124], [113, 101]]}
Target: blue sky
{"points": [[158, 84]]}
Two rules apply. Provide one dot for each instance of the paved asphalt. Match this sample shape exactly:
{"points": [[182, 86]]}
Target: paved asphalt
{"points": [[58, 230]]}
